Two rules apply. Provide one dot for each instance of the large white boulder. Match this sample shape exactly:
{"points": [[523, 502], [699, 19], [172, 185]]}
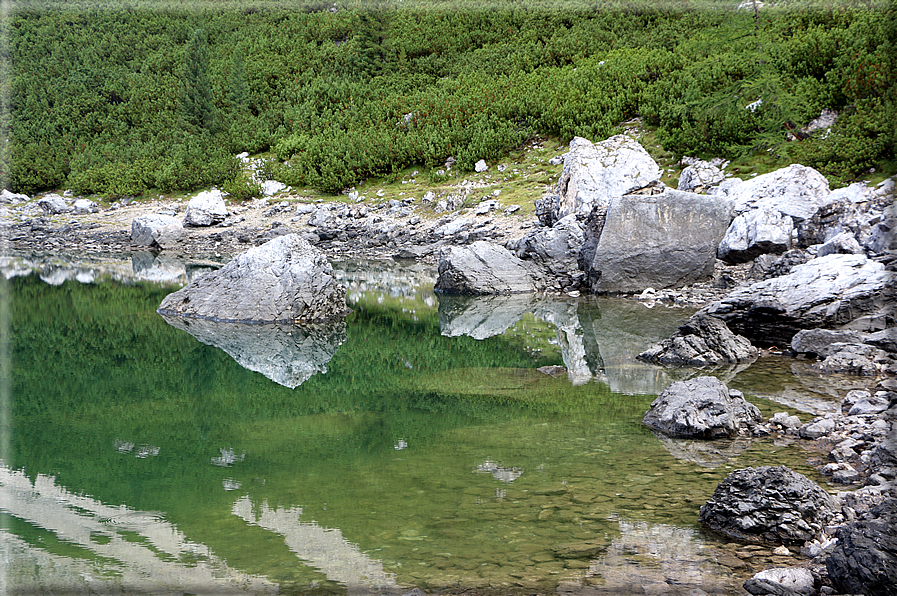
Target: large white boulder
{"points": [[206, 209], [595, 173]]}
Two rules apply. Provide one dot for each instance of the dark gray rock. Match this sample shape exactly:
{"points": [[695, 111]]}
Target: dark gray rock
{"points": [[660, 241], [882, 237], [767, 266], [702, 341], [836, 292], [287, 354], [284, 280], [836, 214], [818, 341], [485, 268], [556, 251], [886, 339], [864, 561], [769, 505], [701, 408]]}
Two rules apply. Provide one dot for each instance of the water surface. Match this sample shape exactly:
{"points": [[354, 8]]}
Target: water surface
{"points": [[416, 445]]}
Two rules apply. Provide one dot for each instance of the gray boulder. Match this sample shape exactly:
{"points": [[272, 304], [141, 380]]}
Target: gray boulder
{"points": [[843, 243], [283, 280], [699, 175], [782, 581], [796, 191], [836, 214], [767, 266], [818, 341], [85, 206], [755, 232], [53, 204], [701, 408], [886, 339], [660, 241], [485, 268], [769, 505], [702, 341], [836, 291], [594, 174], [145, 229], [882, 237], [206, 209], [864, 560], [287, 354], [556, 250], [851, 359]]}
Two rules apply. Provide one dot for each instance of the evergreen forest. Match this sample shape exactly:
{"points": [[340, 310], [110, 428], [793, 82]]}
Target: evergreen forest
{"points": [[126, 97]]}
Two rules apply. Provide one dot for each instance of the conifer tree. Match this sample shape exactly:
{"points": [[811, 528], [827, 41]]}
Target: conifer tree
{"points": [[197, 107]]}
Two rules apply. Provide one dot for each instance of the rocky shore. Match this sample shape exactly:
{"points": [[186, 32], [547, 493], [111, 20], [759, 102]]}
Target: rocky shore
{"points": [[779, 263]]}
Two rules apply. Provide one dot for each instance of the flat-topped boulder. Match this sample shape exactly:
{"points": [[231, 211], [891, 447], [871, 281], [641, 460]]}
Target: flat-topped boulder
{"points": [[796, 191], [283, 280], [666, 240], [838, 291], [486, 268]]}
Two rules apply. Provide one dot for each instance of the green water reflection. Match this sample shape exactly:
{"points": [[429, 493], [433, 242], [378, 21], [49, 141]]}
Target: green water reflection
{"points": [[141, 457]]}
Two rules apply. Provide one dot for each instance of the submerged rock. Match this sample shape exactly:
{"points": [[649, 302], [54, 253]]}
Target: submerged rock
{"points": [[284, 280], [701, 408], [771, 505], [783, 581]]}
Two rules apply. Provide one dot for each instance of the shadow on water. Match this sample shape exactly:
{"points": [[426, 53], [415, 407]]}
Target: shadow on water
{"points": [[416, 445]]}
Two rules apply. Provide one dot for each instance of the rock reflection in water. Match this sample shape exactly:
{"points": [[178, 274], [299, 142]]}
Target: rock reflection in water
{"points": [[287, 354], [322, 548], [56, 269], [658, 559], [599, 338], [132, 551], [707, 454]]}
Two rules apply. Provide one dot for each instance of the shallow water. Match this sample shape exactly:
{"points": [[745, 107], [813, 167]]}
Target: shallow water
{"points": [[415, 446]]}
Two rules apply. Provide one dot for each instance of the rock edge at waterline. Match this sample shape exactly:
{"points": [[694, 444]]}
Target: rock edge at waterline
{"points": [[284, 280]]}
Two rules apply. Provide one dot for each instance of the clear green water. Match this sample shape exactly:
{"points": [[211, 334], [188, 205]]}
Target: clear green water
{"points": [[142, 460]]}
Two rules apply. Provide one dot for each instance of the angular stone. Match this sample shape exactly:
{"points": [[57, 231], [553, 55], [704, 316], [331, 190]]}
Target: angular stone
{"points": [[782, 581], [145, 228], [485, 268], [755, 232], [770, 505], [206, 209], [701, 408], [819, 341], [837, 291], [594, 174], [285, 279], [796, 191], [659, 241], [702, 341]]}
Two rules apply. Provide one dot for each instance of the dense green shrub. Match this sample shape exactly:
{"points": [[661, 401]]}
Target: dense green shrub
{"points": [[124, 101]]}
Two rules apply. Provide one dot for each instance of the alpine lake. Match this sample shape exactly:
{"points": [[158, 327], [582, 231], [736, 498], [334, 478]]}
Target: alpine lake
{"points": [[415, 446]]}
